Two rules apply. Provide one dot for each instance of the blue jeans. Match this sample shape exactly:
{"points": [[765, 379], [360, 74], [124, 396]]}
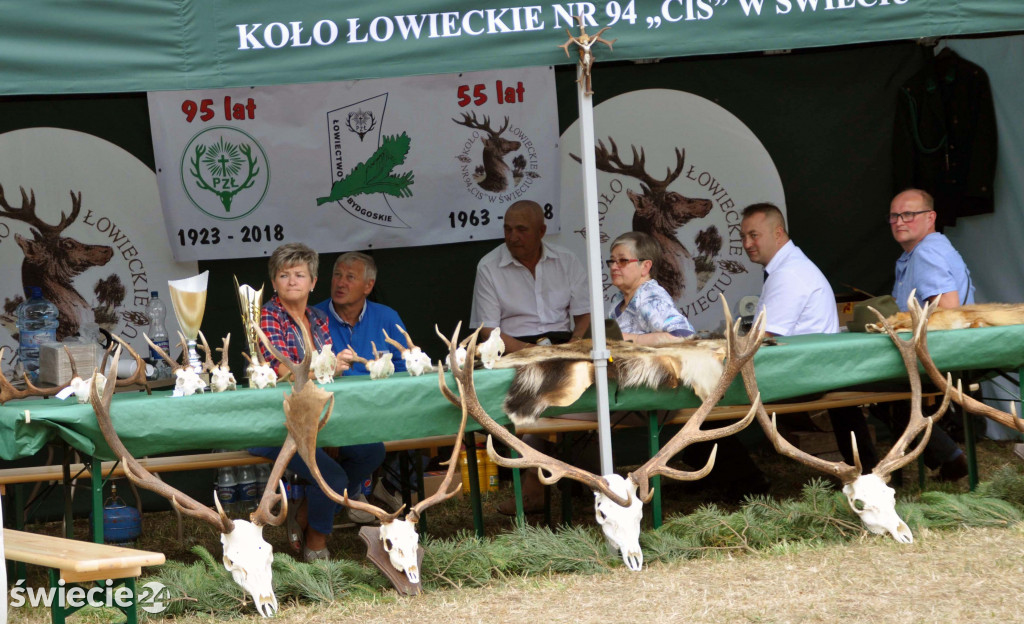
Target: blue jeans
{"points": [[354, 465]]}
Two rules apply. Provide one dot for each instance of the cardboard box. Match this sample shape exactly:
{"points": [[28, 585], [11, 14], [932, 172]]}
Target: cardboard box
{"points": [[54, 367], [432, 481]]}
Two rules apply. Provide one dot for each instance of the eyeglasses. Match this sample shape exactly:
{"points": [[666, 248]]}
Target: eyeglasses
{"points": [[906, 217], [622, 262]]}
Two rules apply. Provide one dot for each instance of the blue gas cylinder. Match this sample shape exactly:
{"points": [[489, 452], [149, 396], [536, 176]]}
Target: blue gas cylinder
{"points": [[121, 524]]}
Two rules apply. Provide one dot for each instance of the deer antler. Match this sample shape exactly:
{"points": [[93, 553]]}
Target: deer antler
{"points": [[142, 477], [443, 493], [967, 402], [530, 457], [609, 161], [208, 364], [396, 344], [897, 457], [27, 212], [8, 392], [741, 351], [470, 121], [139, 376], [305, 417]]}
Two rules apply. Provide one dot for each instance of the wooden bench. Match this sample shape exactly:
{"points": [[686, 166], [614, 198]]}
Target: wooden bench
{"points": [[74, 562]]}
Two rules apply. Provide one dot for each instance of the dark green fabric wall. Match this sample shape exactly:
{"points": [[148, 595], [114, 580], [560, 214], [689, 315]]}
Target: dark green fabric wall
{"points": [[825, 116]]}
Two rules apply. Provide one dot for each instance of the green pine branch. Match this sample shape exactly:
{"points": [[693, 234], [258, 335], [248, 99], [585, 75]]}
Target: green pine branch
{"points": [[375, 175]]}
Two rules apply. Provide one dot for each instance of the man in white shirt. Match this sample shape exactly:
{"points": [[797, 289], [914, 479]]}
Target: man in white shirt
{"points": [[531, 289], [799, 300], [796, 295], [536, 292]]}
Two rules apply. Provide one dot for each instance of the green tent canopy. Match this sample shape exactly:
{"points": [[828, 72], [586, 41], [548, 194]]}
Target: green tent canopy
{"points": [[57, 46]]}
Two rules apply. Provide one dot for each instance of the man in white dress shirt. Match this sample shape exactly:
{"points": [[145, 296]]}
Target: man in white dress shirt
{"points": [[531, 289], [799, 300], [536, 292], [796, 295]]}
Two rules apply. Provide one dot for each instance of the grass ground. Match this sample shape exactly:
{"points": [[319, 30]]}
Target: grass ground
{"points": [[967, 575]]}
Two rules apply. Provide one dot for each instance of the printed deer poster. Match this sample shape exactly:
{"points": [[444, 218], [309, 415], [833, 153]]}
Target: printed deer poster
{"points": [[76, 219], [354, 165], [682, 169]]}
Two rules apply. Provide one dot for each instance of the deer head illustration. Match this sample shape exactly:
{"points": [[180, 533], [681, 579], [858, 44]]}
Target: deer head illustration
{"points": [[52, 260], [496, 172], [658, 212]]}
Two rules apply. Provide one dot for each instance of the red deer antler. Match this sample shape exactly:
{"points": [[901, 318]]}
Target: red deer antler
{"points": [[741, 352], [968, 403], [530, 457]]}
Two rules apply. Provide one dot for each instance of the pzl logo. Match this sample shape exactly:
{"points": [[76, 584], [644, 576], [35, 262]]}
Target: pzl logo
{"points": [[224, 172]]}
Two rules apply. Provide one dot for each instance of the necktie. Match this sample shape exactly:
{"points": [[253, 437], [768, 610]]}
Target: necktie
{"points": [[766, 276]]}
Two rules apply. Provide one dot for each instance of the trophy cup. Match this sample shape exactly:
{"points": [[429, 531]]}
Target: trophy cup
{"points": [[250, 301], [188, 298]]}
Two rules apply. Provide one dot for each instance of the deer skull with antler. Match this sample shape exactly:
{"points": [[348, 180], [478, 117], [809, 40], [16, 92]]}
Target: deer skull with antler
{"points": [[246, 554], [187, 382], [618, 501], [416, 361], [380, 367], [306, 416], [261, 373], [868, 495], [221, 377]]}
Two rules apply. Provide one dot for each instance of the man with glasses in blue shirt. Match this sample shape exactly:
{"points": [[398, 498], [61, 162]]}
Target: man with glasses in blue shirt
{"points": [[929, 262], [931, 266]]}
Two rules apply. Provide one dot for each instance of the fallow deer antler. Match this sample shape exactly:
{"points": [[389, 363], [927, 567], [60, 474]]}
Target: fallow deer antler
{"points": [[305, 416], [967, 402], [741, 351], [530, 457]]}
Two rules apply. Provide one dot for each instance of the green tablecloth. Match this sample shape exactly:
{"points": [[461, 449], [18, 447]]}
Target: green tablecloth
{"points": [[411, 407]]}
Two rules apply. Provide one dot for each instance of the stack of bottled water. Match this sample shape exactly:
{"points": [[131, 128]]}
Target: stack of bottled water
{"points": [[37, 325]]}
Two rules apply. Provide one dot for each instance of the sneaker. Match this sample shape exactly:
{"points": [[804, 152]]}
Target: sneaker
{"points": [[359, 516], [392, 501]]}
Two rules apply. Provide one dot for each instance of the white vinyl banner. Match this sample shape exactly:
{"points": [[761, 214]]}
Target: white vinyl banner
{"points": [[354, 165]]}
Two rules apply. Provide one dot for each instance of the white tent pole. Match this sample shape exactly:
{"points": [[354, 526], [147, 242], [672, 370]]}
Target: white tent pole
{"points": [[600, 353]]}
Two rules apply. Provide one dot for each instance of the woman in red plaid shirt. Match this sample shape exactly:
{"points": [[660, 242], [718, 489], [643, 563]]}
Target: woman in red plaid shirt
{"points": [[293, 271]]}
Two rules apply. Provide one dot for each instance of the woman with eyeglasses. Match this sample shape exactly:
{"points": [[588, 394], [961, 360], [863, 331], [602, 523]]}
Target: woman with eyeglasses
{"points": [[644, 311]]}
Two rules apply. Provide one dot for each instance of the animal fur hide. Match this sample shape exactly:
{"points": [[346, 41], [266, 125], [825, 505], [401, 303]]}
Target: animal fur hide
{"points": [[558, 375], [973, 315]]}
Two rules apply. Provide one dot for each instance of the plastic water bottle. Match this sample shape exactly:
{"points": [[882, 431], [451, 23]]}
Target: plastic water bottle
{"points": [[227, 494], [262, 476], [157, 313], [37, 324], [245, 485]]}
